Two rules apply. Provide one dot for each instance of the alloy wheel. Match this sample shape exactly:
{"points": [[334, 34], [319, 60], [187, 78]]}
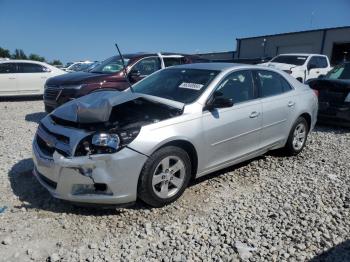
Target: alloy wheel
{"points": [[168, 177], [299, 136]]}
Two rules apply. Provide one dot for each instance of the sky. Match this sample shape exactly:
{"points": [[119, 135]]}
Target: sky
{"points": [[83, 29]]}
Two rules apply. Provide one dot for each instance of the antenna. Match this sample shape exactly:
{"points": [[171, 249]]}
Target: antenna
{"points": [[124, 69]]}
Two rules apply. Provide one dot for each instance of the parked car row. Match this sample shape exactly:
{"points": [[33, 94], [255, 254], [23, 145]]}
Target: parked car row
{"points": [[109, 75], [143, 131]]}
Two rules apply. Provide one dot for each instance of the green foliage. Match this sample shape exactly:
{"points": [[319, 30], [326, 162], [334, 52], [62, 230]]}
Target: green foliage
{"points": [[4, 53], [19, 54], [56, 62], [36, 57]]}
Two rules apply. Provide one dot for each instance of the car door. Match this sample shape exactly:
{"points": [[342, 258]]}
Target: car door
{"points": [[278, 104], [143, 68], [316, 67], [32, 78], [323, 65], [8, 78], [234, 132]]}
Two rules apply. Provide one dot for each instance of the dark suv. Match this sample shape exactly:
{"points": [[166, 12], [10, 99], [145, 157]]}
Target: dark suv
{"points": [[109, 76]]}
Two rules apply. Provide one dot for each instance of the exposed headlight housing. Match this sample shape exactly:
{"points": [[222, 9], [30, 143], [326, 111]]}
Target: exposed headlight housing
{"points": [[106, 142]]}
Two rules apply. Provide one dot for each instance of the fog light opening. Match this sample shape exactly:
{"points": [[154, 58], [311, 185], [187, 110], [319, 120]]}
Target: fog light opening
{"points": [[100, 187], [91, 189]]}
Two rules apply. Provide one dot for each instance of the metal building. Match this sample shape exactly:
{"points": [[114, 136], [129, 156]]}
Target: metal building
{"points": [[333, 42], [227, 56]]}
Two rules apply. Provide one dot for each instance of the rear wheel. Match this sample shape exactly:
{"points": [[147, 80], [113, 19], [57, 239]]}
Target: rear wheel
{"points": [[164, 176], [297, 137]]}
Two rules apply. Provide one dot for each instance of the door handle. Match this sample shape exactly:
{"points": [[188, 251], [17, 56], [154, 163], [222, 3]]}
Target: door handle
{"points": [[12, 78], [254, 114], [291, 103]]}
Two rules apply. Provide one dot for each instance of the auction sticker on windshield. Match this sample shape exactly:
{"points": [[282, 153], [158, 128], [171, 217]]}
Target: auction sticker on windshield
{"points": [[192, 86]]}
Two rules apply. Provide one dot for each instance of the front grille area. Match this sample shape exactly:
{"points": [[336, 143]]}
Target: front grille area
{"points": [[51, 92], [46, 180], [44, 147], [49, 142]]}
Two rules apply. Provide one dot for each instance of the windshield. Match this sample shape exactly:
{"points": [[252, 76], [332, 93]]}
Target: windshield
{"points": [[339, 72], [182, 85], [290, 59], [79, 66], [111, 65]]}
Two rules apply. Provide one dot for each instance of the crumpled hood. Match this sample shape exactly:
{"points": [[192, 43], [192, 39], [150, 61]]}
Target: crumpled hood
{"points": [[97, 107]]}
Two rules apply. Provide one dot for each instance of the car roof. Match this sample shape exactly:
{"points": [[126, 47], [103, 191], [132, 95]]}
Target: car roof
{"points": [[21, 61], [212, 66], [300, 54]]}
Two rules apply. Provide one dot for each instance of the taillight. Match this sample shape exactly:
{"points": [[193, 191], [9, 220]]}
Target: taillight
{"points": [[317, 93]]}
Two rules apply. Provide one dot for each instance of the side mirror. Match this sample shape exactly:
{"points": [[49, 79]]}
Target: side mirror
{"points": [[134, 73], [218, 101]]}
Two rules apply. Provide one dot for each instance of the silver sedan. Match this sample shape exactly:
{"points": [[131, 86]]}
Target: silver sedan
{"points": [[178, 124]]}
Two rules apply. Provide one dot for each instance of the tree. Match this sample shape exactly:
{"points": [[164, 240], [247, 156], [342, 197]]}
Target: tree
{"points": [[36, 57], [19, 54], [56, 62], [4, 53]]}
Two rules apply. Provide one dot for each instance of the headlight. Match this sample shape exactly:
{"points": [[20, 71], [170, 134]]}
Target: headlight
{"points": [[106, 140], [71, 86]]}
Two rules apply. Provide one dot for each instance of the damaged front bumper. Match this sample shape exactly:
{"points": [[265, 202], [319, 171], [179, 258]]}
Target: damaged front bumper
{"points": [[96, 179]]}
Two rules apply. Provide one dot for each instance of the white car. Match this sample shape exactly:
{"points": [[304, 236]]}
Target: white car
{"points": [[78, 66], [301, 66], [25, 77]]}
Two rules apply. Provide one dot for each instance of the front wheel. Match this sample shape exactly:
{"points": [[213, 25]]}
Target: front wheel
{"points": [[297, 137], [164, 176]]}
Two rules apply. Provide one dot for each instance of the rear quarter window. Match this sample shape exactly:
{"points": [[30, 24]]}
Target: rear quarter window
{"points": [[7, 68]]}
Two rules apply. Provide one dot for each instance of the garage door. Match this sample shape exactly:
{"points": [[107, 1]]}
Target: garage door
{"points": [[294, 49]]}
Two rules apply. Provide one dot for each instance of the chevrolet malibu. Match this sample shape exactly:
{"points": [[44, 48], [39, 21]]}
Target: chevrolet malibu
{"points": [[183, 122]]}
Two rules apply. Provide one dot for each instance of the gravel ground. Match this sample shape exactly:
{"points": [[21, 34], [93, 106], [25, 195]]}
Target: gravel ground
{"points": [[269, 209]]}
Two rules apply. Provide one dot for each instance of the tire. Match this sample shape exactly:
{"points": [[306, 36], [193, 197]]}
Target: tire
{"points": [[158, 184], [297, 137]]}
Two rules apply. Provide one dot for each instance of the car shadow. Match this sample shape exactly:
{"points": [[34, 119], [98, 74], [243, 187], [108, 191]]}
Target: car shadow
{"points": [[338, 253], [223, 171], [328, 128], [21, 98], [35, 117], [33, 196]]}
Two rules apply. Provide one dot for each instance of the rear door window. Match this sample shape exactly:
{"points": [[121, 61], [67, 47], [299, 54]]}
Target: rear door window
{"points": [[147, 66], [271, 83], [238, 86], [173, 61], [8, 68], [31, 68]]}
